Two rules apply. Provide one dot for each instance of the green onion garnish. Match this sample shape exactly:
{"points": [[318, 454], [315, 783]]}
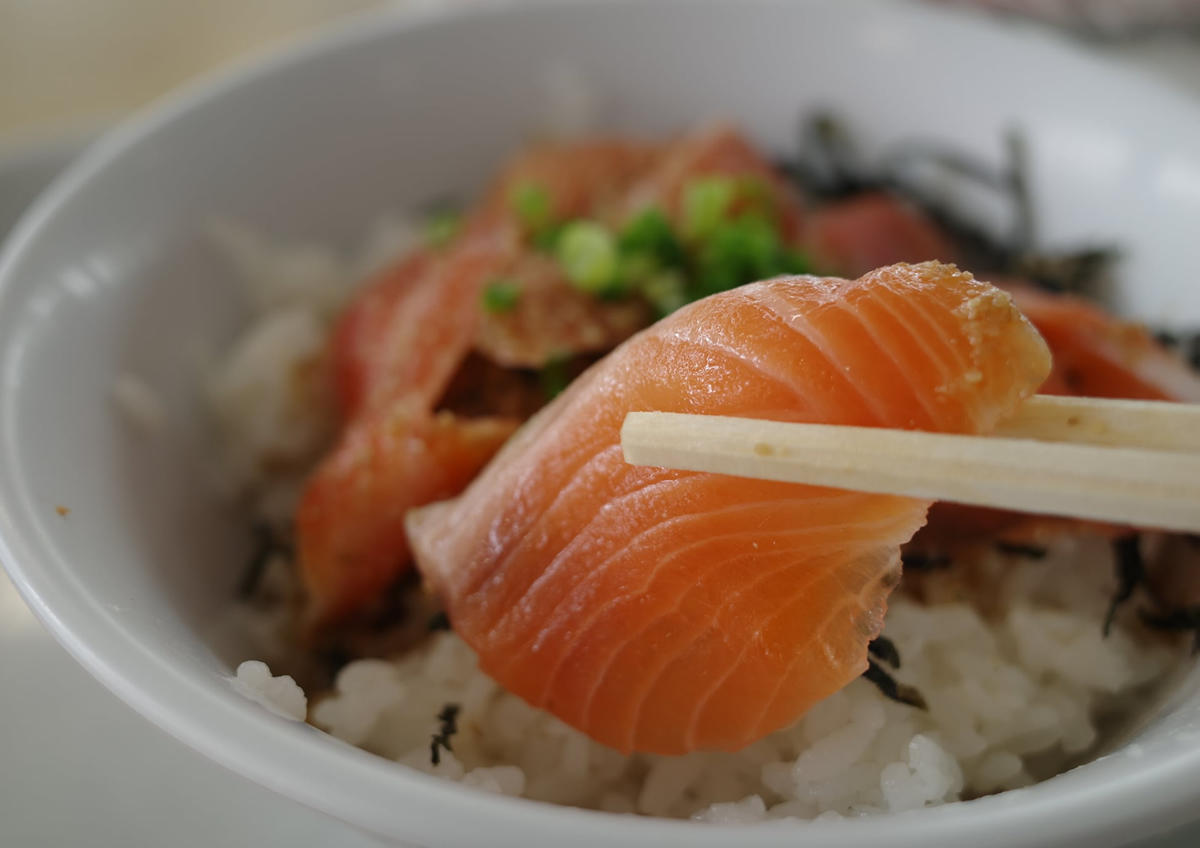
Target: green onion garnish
{"points": [[532, 206], [706, 203], [794, 262], [587, 252], [650, 235], [441, 228], [500, 296], [555, 376], [666, 291], [740, 251], [546, 239]]}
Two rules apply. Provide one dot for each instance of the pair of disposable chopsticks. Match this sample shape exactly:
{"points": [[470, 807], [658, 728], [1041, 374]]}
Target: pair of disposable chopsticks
{"points": [[1126, 462]]}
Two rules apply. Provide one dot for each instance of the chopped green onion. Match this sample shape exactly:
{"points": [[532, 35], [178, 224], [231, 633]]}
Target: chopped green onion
{"points": [[666, 291], [706, 204], [756, 193], [532, 205], [546, 239], [794, 262], [587, 252], [441, 228], [555, 376], [739, 252], [500, 296], [649, 234], [636, 268]]}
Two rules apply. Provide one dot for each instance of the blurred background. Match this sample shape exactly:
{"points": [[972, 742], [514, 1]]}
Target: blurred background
{"points": [[67, 64], [80, 64]]}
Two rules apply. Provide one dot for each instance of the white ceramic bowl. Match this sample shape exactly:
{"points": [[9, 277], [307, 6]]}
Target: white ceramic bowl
{"points": [[111, 272]]}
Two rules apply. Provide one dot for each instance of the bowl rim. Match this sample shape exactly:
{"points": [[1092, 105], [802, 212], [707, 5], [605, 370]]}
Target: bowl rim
{"points": [[362, 789]]}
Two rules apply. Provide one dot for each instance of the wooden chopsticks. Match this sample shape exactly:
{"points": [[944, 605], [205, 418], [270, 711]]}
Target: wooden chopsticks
{"points": [[1128, 462]]}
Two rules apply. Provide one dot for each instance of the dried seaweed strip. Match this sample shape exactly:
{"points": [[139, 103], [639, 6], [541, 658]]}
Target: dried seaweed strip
{"points": [[884, 649], [1131, 571], [1179, 620], [901, 693], [828, 166], [1027, 551], [268, 543], [442, 739], [925, 560]]}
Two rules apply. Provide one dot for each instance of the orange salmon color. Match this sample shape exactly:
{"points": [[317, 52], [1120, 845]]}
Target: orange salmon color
{"points": [[667, 611], [353, 543]]}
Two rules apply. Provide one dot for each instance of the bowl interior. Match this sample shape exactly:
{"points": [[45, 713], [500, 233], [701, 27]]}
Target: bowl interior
{"points": [[113, 273]]}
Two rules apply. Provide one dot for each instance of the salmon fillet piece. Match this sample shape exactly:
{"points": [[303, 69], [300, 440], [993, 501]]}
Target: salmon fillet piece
{"points": [[668, 611]]}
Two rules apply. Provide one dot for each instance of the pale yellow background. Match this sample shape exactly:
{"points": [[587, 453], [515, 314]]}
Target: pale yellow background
{"points": [[71, 62]]}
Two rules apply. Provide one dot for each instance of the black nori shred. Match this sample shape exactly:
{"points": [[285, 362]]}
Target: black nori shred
{"points": [[449, 719], [392, 607], [438, 621], [267, 543], [885, 650], [899, 692], [924, 560], [1027, 551], [334, 658], [1176, 620], [828, 166], [1166, 338], [1131, 571], [1191, 351]]}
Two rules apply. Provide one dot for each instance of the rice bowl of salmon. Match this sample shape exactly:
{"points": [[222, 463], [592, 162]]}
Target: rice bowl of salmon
{"points": [[313, 427]]}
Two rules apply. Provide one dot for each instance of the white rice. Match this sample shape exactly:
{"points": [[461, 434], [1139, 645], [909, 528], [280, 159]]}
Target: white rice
{"points": [[1012, 699], [1019, 680], [268, 392], [280, 694]]}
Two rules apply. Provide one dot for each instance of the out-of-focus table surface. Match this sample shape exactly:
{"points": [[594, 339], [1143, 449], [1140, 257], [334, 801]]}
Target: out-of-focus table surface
{"points": [[71, 62], [76, 766]]}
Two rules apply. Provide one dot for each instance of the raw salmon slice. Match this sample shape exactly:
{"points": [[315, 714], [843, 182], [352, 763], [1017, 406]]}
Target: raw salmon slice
{"points": [[352, 512], [397, 350], [856, 235], [668, 611], [1097, 355]]}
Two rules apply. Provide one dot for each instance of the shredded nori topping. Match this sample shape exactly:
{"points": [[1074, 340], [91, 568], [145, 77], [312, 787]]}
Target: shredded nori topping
{"points": [[828, 166], [1178, 621], [267, 543], [899, 692], [924, 560], [1186, 345], [449, 719], [1131, 571], [885, 650], [1027, 551]]}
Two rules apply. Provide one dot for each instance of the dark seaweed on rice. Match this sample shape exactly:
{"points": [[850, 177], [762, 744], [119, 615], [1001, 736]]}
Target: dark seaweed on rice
{"points": [[925, 560], [269, 542], [1182, 620], [885, 650], [1027, 551], [901, 693], [828, 165], [1131, 573], [442, 739]]}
